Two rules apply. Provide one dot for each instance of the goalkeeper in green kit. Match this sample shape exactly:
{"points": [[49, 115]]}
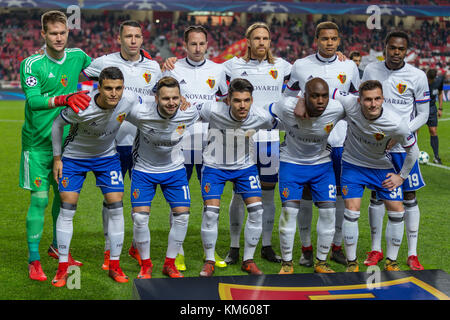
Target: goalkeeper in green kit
{"points": [[49, 81]]}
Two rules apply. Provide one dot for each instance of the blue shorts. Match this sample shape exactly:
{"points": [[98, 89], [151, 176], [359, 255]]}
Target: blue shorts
{"points": [[336, 158], [268, 160], [174, 186], [107, 173], [294, 177], [246, 182], [415, 180], [355, 178], [126, 159]]}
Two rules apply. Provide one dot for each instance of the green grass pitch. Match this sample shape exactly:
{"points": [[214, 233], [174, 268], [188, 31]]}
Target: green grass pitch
{"points": [[87, 243]]}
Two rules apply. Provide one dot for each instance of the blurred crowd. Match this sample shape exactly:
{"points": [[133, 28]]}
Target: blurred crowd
{"points": [[291, 39]]}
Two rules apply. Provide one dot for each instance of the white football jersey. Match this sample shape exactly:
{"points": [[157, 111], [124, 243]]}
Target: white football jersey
{"points": [[157, 146], [402, 89], [337, 74], [199, 84], [140, 77], [267, 80], [306, 139], [93, 131], [230, 141], [366, 140]]}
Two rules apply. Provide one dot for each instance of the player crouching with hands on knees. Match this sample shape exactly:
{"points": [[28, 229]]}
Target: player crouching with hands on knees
{"points": [[365, 164], [159, 160], [90, 146]]}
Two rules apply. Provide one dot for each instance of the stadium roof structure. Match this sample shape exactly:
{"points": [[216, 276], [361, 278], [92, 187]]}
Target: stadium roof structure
{"points": [[236, 6]]}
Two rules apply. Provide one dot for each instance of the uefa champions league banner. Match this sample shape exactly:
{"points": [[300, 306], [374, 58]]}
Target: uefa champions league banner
{"points": [[234, 6]]}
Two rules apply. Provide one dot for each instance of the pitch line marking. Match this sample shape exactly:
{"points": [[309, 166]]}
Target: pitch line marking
{"points": [[438, 165]]}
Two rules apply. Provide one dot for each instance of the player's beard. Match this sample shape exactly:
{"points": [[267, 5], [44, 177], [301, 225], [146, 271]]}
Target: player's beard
{"points": [[259, 55]]}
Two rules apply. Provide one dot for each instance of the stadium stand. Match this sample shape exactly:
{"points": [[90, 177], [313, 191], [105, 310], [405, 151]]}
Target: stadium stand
{"points": [[292, 38]]}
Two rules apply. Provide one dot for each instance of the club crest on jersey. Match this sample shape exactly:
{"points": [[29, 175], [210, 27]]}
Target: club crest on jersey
{"points": [[207, 187], [38, 182], [329, 127], [147, 77], [285, 192], [344, 190], [136, 193], [180, 129], [379, 136], [401, 87], [274, 73], [65, 182], [64, 80], [342, 77], [121, 117], [211, 82]]}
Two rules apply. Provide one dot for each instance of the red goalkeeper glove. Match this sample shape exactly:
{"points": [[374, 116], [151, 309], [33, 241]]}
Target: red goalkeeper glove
{"points": [[77, 100]]}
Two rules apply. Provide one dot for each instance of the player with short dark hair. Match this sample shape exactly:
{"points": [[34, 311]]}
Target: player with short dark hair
{"points": [[91, 146], [355, 56], [364, 164], [229, 157], [49, 81]]}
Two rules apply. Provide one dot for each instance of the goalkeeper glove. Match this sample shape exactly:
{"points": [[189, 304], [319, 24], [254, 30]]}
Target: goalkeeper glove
{"points": [[77, 100]]}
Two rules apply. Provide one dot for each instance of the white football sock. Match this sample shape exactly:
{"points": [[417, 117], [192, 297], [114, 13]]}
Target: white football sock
{"points": [[177, 233], [304, 219], [210, 220], [394, 234], [181, 250], [412, 220], [268, 218], [141, 233], [351, 233], [340, 208], [253, 229], [325, 229], [287, 227], [64, 229], [237, 215], [115, 228], [376, 215]]}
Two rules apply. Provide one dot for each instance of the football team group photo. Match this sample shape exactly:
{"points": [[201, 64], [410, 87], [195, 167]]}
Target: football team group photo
{"points": [[167, 144]]}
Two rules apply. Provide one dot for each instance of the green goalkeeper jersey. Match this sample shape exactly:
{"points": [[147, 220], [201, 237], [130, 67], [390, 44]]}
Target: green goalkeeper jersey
{"points": [[43, 77]]}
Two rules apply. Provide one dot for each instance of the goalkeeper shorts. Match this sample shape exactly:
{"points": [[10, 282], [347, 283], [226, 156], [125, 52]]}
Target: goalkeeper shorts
{"points": [[36, 170]]}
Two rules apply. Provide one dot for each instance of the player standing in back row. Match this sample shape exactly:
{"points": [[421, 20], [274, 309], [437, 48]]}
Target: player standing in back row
{"points": [[49, 81]]}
